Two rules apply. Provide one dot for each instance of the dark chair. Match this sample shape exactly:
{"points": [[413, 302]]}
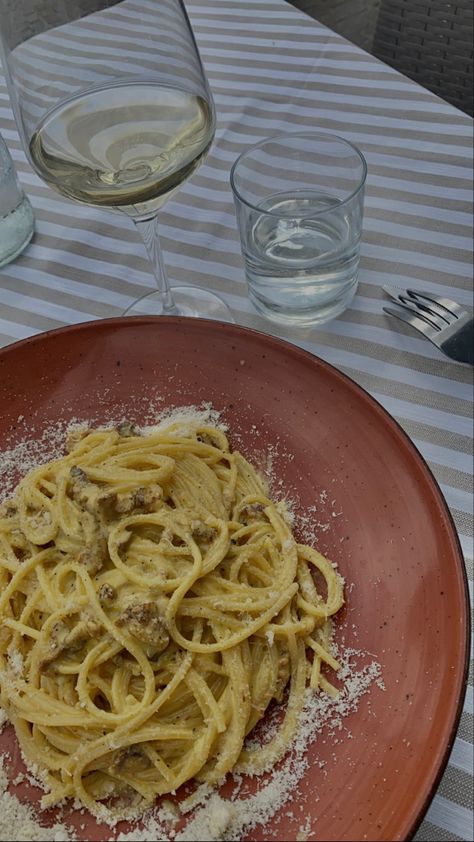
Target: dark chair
{"points": [[431, 41]]}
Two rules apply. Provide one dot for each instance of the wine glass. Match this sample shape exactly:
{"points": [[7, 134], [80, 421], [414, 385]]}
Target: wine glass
{"points": [[114, 110]]}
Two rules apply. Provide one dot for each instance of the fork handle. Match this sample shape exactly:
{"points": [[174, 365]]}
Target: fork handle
{"points": [[460, 347]]}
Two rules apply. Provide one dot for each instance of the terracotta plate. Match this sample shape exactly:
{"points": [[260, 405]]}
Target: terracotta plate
{"points": [[389, 530]]}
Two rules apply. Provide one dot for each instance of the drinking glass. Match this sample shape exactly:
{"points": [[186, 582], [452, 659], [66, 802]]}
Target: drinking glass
{"points": [[114, 110], [17, 222], [299, 204]]}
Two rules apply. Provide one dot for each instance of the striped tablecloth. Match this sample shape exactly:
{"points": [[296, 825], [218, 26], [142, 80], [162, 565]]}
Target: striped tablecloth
{"points": [[273, 69]]}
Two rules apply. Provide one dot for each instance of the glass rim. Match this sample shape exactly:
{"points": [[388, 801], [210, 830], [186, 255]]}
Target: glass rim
{"points": [[288, 136]]}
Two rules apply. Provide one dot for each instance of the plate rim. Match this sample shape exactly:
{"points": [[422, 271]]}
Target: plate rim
{"points": [[309, 357]]}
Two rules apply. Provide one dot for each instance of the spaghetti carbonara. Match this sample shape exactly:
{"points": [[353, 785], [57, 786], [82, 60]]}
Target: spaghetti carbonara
{"points": [[153, 603]]}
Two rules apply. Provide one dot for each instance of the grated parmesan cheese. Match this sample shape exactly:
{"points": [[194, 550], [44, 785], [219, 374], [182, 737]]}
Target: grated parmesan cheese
{"points": [[18, 822], [204, 815]]}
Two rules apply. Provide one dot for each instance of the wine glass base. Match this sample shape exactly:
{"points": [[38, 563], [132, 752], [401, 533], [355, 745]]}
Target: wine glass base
{"points": [[189, 301]]}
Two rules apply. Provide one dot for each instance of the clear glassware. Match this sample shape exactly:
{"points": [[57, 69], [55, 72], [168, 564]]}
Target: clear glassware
{"points": [[17, 222], [299, 201], [114, 110]]}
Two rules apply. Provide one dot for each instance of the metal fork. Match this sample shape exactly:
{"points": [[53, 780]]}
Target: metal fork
{"points": [[444, 322]]}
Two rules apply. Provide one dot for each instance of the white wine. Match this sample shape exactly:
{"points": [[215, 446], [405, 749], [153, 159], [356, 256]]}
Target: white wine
{"points": [[126, 146]]}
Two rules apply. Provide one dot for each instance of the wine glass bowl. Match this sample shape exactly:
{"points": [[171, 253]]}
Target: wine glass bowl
{"points": [[114, 110]]}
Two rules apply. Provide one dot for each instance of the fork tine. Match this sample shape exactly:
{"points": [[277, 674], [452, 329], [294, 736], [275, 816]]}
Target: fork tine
{"points": [[405, 315], [436, 316], [433, 314], [421, 310], [446, 303], [394, 293]]}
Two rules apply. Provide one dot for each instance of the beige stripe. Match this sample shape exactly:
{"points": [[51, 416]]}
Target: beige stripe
{"points": [[456, 784], [430, 274], [200, 252], [259, 84], [95, 252], [98, 224], [262, 80], [86, 306], [26, 317], [463, 522], [418, 220], [452, 477], [388, 170], [251, 9], [94, 39], [405, 243], [224, 231], [203, 178], [268, 60], [87, 61], [433, 178], [444, 438], [465, 732], [336, 123], [342, 119], [272, 61], [451, 118], [435, 201], [443, 226], [215, 184], [132, 287], [436, 156], [318, 48]]}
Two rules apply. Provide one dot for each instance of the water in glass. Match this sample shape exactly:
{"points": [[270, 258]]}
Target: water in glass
{"points": [[301, 256]]}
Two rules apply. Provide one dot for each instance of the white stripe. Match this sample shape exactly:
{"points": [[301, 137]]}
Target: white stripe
{"points": [[467, 545], [348, 117], [82, 39], [262, 86], [72, 45], [462, 501], [397, 278], [68, 286], [206, 13], [313, 76], [377, 140], [448, 458], [270, 123], [15, 330], [322, 60], [118, 248], [370, 223], [469, 701], [416, 259], [421, 212], [71, 73], [43, 308], [209, 23], [393, 163], [425, 415], [94, 266], [451, 817]]}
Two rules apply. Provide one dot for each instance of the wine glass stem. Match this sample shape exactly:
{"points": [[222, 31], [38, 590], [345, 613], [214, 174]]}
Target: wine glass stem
{"points": [[148, 229]]}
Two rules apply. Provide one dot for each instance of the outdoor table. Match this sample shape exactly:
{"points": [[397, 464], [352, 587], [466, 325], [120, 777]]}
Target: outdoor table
{"points": [[272, 69]]}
